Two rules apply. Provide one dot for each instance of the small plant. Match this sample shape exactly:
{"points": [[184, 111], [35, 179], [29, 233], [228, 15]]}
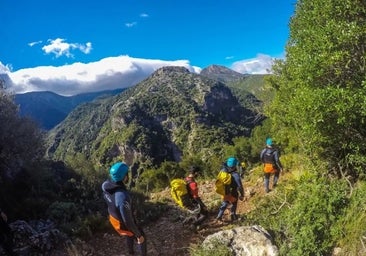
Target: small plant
{"points": [[216, 248]]}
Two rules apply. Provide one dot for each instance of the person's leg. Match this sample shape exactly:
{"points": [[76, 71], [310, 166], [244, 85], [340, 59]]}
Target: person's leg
{"points": [[222, 209], [266, 182], [129, 243], [201, 217], [276, 177], [6, 238], [191, 214], [233, 215], [142, 248]]}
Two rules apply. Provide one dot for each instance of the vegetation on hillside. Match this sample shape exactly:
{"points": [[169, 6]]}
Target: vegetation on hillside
{"points": [[170, 115], [318, 113], [320, 101]]}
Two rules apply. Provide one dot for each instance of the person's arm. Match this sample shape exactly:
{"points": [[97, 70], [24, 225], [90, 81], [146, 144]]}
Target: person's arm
{"points": [[262, 155], [277, 160], [124, 205], [3, 216], [240, 185]]}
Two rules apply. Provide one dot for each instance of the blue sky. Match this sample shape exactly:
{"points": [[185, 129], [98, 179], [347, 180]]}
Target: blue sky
{"points": [[44, 42]]}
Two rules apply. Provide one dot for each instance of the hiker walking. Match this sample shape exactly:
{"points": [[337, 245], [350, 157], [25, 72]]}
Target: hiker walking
{"points": [[270, 158], [6, 235], [120, 208], [234, 191], [195, 200]]}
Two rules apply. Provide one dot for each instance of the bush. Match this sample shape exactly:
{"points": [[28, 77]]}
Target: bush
{"points": [[62, 212], [354, 222], [317, 206], [219, 249], [303, 217]]}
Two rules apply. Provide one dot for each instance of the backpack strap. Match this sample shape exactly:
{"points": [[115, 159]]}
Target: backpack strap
{"points": [[269, 156], [188, 181]]}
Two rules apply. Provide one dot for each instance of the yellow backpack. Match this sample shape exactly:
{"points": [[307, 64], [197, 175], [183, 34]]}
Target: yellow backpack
{"points": [[223, 179], [178, 189]]}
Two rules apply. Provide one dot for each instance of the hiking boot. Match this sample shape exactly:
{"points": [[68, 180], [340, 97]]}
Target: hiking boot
{"points": [[233, 217], [193, 228], [219, 221]]}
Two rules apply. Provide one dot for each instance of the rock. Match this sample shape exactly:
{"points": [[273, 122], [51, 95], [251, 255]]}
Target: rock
{"points": [[39, 236], [246, 240]]}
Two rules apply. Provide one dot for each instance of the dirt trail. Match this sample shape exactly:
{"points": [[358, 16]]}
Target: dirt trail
{"points": [[168, 236]]}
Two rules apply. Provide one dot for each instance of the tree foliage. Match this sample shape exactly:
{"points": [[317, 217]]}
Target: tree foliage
{"points": [[21, 141], [320, 102]]}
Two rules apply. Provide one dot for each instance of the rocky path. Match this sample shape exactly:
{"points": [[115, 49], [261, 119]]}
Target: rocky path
{"points": [[168, 236]]}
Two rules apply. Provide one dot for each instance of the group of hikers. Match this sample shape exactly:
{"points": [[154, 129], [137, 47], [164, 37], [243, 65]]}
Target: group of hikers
{"points": [[120, 207]]}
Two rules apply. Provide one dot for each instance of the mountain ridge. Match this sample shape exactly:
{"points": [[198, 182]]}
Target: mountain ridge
{"points": [[171, 113], [48, 108]]}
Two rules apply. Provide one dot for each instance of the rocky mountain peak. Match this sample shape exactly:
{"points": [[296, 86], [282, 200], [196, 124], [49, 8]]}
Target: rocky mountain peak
{"points": [[169, 69], [221, 73]]}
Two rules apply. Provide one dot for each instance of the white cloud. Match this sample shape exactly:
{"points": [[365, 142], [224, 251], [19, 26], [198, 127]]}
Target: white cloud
{"points": [[60, 47], [85, 48], [34, 43], [4, 69], [262, 64], [106, 74], [4, 76], [144, 15], [131, 24]]}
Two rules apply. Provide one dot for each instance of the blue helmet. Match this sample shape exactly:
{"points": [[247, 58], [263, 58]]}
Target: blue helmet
{"points": [[118, 171], [231, 162], [269, 142]]}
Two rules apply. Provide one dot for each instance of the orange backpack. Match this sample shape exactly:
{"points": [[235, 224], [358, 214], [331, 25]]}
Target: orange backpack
{"points": [[269, 168]]}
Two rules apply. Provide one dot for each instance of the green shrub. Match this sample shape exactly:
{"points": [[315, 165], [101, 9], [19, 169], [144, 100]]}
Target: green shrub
{"points": [[85, 227], [354, 222], [317, 205], [62, 212], [303, 216], [217, 249]]}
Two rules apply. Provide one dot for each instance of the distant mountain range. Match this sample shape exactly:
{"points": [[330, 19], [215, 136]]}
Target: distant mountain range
{"points": [[48, 109], [171, 113]]}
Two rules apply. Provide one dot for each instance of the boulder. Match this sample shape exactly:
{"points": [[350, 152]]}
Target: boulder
{"points": [[245, 240], [37, 236]]}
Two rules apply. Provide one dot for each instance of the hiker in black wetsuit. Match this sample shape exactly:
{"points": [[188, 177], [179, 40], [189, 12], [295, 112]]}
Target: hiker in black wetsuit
{"points": [[6, 235], [120, 208], [270, 158]]}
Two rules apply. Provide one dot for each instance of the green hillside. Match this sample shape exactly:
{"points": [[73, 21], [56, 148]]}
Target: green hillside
{"points": [[168, 115]]}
